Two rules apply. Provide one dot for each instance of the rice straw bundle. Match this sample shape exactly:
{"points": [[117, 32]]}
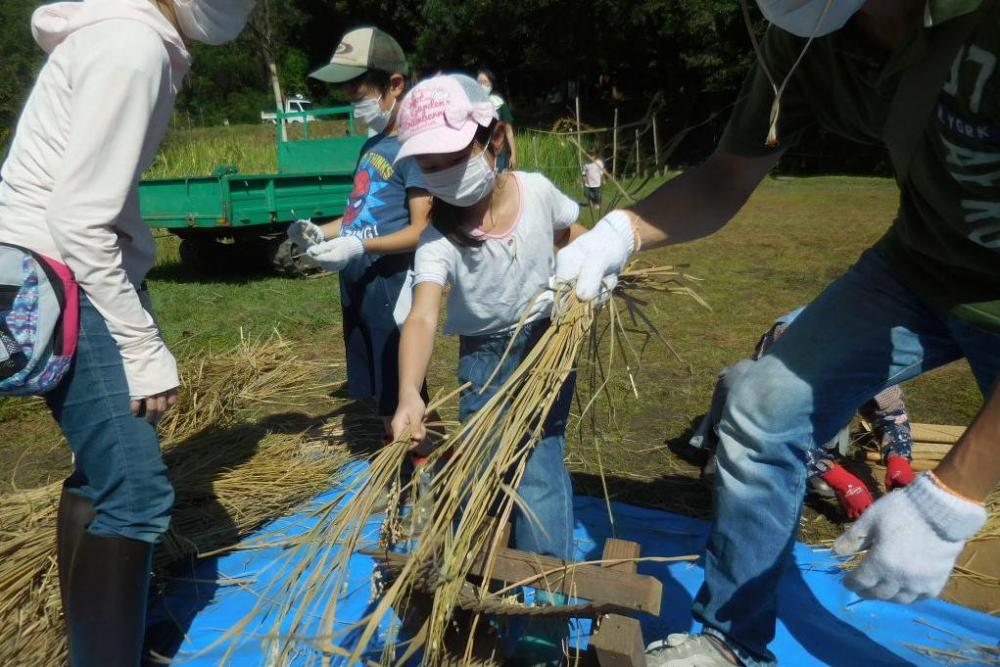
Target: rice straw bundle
{"points": [[964, 652], [230, 476], [472, 492], [255, 372], [991, 531]]}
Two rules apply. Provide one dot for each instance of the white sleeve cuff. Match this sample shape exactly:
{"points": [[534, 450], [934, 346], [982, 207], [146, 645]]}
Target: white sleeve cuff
{"points": [[150, 369], [429, 278]]}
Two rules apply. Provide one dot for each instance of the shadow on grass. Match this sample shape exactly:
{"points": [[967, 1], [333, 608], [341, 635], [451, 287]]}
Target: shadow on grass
{"points": [[673, 492], [230, 273], [680, 445]]}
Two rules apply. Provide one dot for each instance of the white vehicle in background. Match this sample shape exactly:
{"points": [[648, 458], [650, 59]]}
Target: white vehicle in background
{"points": [[296, 104]]}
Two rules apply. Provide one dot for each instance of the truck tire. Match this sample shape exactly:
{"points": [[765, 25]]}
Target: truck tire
{"points": [[210, 256], [289, 261], [195, 254]]}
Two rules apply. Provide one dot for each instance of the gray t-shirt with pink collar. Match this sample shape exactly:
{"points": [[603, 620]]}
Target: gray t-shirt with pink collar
{"points": [[495, 285]]}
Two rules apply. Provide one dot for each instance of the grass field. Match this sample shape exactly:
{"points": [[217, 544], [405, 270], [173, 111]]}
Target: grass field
{"points": [[792, 239]]}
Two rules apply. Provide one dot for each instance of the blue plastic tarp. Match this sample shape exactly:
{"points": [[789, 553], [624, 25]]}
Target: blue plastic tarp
{"points": [[821, 622]]}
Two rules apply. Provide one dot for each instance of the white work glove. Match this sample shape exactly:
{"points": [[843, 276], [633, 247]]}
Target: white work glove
{"points": [[607, 289], [305, 233], [914, 537], [603, 251], [335, 254]]}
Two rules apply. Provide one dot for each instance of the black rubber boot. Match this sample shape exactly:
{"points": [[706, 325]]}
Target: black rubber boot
{"points": [[108, 591], [75, 514]]}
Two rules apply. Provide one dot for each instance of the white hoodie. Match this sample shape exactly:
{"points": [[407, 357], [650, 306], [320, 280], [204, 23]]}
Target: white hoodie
{"points": [[91, 126]]}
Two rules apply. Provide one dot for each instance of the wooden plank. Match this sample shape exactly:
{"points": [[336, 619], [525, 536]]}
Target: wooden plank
{"points": [[622, 590], [931, 450], [917, 465], [922, 451], [631, 592], [615, 549], [618, 640], [940, 433]]}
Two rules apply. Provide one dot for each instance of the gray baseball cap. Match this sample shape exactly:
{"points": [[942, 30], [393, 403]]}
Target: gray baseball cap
{"points": [[361, 50]]}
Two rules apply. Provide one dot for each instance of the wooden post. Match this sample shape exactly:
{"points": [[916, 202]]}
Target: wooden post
{"points": [[614, 147], [278, 97], [618, 641], [534, 146], [579, 139], [656, 146]]}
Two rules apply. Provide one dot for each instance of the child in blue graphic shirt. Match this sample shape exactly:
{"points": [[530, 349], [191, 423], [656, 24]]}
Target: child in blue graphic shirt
{"points": [[372, 245]]}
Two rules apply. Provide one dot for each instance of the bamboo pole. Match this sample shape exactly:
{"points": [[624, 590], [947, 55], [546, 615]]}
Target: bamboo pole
{"points": [[638, 156], [656, 146], [579, 138], [614, 147]]}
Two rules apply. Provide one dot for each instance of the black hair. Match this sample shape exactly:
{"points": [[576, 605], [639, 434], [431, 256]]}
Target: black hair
{"points": [[447, 218], [373, 78], [488, 73]]}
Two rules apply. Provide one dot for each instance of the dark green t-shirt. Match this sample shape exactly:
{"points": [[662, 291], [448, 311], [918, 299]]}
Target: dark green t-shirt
{"points": [[945, 242], [503, 109]]}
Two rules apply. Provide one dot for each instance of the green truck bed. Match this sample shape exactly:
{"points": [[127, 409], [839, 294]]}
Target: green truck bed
{"points": [[232, 201], [315, 177]]}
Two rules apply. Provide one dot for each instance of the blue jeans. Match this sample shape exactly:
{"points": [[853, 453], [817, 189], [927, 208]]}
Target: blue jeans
{"points": [[118, 465], [545, 486], [866, 332]]}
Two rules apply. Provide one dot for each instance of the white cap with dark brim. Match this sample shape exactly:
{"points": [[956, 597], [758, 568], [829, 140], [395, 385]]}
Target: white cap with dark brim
{"points": [[361, 50]]}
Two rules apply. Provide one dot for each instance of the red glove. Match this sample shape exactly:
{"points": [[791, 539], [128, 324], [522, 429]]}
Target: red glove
{"points": [[898, 472], [851, 492]]}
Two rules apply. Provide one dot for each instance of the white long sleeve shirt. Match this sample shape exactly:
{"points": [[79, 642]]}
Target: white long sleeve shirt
{"points": [[91, 126]]}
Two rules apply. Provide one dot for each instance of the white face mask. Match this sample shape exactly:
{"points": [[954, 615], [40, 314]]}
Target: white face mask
{"points": [[370, 112], [212, 21], [465, 184], [802, 17], [487, 87]]}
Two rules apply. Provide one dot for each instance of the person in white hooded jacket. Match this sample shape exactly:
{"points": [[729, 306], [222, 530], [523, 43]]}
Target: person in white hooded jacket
{"points": [[91, 126]]}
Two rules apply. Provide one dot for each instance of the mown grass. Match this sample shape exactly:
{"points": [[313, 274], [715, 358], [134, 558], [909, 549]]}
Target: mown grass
{"points": [[790, 241]]}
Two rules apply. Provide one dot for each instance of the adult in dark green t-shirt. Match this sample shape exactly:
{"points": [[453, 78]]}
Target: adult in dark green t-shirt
{"points": [[508, 157], [921, 77]]}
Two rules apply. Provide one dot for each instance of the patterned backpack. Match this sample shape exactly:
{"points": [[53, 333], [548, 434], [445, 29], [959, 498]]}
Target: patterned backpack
{"points": [[39, 321]]}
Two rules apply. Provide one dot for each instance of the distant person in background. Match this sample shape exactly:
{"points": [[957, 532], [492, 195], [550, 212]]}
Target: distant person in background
{"points": [[508, 158], [91, 126], [593, 179]]}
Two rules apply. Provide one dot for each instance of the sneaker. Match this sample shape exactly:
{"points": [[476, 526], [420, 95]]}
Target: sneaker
{"points": [[683, 650]]}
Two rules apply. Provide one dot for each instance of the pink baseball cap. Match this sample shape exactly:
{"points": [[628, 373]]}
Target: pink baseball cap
{"points": [[441, 115]]}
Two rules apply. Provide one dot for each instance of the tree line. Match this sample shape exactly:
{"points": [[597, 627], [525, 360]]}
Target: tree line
{"points": [[689, 55]]}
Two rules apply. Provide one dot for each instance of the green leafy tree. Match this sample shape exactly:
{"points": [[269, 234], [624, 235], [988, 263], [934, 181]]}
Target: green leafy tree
{"points": [[22, 58]]}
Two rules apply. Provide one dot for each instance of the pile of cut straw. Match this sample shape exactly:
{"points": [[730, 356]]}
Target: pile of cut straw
{"points": [[231, 475], [472, 492]]}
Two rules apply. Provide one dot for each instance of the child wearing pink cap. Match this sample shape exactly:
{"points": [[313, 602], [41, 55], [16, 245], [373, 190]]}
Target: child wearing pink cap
{"points": [[492, 240]]}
